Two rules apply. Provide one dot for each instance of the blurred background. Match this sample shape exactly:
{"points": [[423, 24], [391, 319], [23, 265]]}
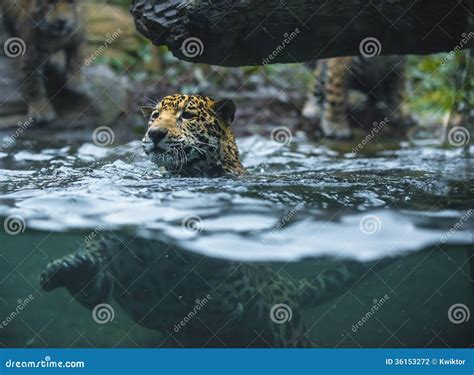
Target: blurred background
{"points": [[308, 203], [264, 94]]}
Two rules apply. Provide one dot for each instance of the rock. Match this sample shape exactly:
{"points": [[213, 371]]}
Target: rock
{"points": [[104, 97], [104, 100], [260, 32]]}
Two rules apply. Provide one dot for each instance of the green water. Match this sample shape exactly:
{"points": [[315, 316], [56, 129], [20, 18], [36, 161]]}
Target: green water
{"points": [[302, 209]]}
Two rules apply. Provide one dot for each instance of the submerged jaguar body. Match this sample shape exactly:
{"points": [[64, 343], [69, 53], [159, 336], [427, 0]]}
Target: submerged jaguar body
{"points": [[192, 299]]}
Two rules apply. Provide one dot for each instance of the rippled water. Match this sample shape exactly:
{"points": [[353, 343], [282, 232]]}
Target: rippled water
{"points": [[302, 207]]}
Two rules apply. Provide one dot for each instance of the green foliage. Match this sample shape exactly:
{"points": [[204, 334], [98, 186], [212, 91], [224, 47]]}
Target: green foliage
{"points": [[124, 3], [434, 82]]}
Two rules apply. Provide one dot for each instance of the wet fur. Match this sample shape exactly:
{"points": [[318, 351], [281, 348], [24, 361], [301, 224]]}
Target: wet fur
{"points": [[201, 146]]}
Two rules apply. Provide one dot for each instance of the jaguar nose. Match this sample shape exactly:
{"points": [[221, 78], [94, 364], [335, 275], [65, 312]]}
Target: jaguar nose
{"points": [[157, 134]]}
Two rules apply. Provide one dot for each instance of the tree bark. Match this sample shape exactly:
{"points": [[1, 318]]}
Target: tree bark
{"points": [[259, 32]]}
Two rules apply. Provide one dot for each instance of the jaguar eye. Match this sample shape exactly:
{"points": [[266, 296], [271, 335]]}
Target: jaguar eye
{"points": [[187, 115], [154, 116]]}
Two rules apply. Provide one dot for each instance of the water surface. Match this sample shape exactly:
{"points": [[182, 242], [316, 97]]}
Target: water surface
{"points": [[302, 208]]}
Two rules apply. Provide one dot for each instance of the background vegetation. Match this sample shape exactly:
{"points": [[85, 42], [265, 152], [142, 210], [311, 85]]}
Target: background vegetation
{"points": [[432, 80]]}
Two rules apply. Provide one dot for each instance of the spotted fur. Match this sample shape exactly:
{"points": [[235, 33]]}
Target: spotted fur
{"points": [[158, 287], [347, 85], [190, 135]]}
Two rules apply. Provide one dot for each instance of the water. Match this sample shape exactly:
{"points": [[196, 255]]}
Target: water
{"points": [[302, 209]]}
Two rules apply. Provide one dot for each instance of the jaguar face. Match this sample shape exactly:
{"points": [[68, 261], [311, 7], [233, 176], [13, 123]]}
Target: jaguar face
{"points": [[190, 135], [59, 17]]}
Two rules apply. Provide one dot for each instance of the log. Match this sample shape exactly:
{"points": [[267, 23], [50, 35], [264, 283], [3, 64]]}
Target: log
{"points": [[260, 32]]}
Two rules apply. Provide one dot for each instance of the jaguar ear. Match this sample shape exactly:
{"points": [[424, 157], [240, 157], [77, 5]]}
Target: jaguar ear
{"points": [[226, 109], [147, 110]]}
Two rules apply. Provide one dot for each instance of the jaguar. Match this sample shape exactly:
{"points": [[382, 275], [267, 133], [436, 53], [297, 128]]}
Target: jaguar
{"points": [[191, 299], [191, 135], [358, 92], [44, 28], [194, 300]]}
